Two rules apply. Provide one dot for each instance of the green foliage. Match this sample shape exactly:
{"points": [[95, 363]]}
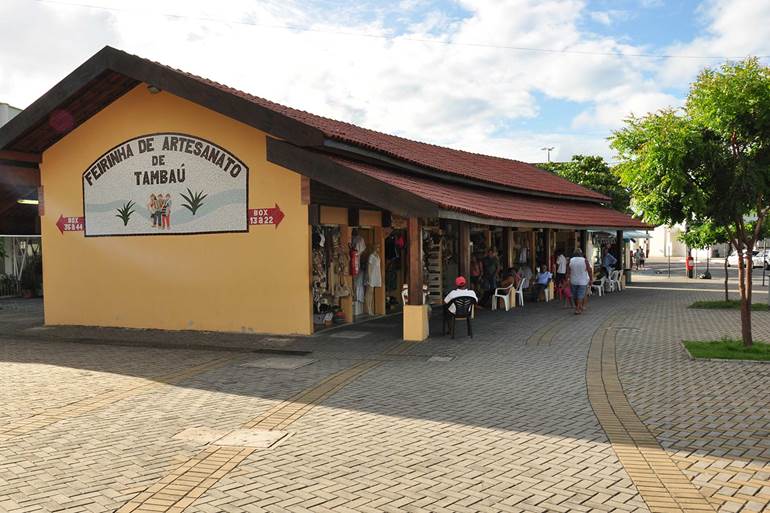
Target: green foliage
{"points": [[727, 349], [709, 162], [32, 274], [705, 235], [594, 173], [706, 163], [728, 305], [194, 201], [125, 212]]}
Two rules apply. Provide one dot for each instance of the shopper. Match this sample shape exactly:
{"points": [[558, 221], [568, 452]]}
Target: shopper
{"points": [[580, 276], [476, 271], [561, 267], [461, 290], [491, 268]]}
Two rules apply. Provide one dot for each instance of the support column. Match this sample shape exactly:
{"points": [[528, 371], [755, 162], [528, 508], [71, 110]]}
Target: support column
{"points": [[488, 238], [346, 303], [548, 254], [465, 249], [415, 313], [621, 250], [533, 250], [508, 247], [584, 242]]}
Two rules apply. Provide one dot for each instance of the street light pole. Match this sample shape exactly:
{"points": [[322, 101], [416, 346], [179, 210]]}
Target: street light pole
{"points": [[548, 150]]}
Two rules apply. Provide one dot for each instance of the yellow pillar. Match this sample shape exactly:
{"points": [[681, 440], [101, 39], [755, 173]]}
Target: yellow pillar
{"points": [[416, 327]]}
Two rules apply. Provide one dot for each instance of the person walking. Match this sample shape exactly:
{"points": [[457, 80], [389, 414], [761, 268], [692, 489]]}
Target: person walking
{"points": [[580, 276], [561, 267]]}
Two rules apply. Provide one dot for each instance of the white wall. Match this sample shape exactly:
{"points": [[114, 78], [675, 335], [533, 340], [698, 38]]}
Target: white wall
{"points": [[662, 236], [7, 112]]}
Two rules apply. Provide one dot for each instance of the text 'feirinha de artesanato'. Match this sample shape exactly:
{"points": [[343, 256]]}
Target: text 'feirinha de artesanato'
{"points": [[156, 150]]}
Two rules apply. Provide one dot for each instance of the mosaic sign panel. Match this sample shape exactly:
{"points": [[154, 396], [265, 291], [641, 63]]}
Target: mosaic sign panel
{"points": [[162, 184]]}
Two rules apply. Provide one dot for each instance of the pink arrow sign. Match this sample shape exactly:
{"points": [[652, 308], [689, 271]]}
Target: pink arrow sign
{"points": [[70, 224], [258, 216]]}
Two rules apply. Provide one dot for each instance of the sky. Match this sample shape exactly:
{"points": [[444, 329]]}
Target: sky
{"points": [[500, 77]]}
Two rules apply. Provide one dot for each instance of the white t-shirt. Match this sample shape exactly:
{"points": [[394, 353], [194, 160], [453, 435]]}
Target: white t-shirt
{"points": [[578, 271], [561, 264], [458, 293]]}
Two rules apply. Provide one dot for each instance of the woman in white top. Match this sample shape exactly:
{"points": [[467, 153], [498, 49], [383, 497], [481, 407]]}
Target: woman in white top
{"points": [[580, 275]]}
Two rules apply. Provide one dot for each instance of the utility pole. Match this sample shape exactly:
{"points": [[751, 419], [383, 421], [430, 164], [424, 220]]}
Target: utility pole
{"points": [[548, 150]]}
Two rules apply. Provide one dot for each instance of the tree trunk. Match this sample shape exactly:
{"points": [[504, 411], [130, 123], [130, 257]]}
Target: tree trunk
{"points": [[727, 294], [745, 268]]}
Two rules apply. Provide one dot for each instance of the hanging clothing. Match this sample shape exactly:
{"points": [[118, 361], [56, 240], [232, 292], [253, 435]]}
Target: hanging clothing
{"points": [[360, 292], [357, 248], [374, 273], [524, 255]]}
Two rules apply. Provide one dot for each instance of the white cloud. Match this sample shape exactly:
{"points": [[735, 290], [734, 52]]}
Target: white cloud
{"points": [[733, 28], [615, 105], [609, 17], [453, 89]]}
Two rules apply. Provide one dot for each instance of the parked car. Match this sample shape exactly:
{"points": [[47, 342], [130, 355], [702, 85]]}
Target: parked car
{"points": [[758, 258]]}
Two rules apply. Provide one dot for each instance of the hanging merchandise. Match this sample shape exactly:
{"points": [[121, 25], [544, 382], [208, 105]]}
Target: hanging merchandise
{"points": [[374, 271], [523, 255], [354, 261]]}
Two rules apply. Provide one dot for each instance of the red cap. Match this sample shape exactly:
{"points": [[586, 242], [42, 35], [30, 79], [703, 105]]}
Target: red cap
{"points": [[460, 281]]}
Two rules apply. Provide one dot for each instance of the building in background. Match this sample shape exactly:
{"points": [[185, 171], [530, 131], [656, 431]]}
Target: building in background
{"points": [[19, 225]]}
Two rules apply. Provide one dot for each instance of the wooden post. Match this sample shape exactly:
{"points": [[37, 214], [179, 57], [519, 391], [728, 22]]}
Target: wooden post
{"points": [[464, 243], [488, 238], [621, 250], [533, 250], [584, 242], [548, 254], [346, 303], [508, 247], [415, 261]]}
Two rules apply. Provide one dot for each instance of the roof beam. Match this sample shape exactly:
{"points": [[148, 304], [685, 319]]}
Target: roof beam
{"points": [[20, 156], [227, 103], [18, 176], [324, 170]]}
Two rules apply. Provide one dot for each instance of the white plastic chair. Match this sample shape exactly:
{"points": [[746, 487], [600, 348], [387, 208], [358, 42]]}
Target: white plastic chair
{"points": [[614, 281], [503, 293], [519, 291], [405, 294], [599, 287]]}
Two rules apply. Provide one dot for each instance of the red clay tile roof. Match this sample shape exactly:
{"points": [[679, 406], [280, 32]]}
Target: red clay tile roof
{"points": [[500, 205], [494, 170]]}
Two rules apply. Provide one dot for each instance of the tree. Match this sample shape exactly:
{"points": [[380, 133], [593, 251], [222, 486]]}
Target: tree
{"points": [[705, 235], [708, 162], [593, 172]]}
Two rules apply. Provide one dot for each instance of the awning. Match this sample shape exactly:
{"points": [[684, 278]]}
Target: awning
{"points": [[636, 234]]}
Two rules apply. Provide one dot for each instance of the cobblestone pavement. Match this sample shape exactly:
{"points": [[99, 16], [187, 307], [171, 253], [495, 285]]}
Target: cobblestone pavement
{"points": [[504, 422]]}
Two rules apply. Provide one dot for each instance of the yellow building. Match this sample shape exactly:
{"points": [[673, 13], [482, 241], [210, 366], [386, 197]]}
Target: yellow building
{"points": [[169, 201]]}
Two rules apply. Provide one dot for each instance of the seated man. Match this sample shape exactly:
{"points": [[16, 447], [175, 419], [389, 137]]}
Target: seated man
{"points": [[461, 290], [541, 282]]}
